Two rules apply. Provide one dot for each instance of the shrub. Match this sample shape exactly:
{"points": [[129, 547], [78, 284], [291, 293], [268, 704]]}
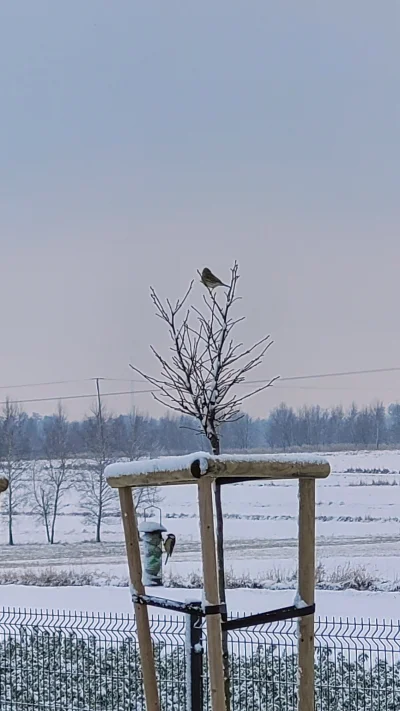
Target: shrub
{"points": [[52, 669]]}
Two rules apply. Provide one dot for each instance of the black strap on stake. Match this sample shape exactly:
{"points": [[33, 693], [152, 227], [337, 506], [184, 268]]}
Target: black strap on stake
{"points": [[264, 618], [215, 610]]}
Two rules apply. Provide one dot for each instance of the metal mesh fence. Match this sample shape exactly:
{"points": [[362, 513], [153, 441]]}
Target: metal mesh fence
{"points": [[53, 661]]}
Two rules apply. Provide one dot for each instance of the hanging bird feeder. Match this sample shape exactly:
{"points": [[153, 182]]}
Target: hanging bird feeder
{"points": [[152, 547]]}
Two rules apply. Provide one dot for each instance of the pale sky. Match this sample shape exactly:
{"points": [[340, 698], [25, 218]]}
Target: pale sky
{"points": [[142, 141]]}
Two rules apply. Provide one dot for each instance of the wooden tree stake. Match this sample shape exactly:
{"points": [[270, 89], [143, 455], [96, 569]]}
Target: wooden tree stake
{"points": [[306, 591], [141, 613], [211, 593]]}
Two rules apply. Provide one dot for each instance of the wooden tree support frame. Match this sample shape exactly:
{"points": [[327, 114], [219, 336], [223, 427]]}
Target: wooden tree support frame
{"points": [[203, 469]]}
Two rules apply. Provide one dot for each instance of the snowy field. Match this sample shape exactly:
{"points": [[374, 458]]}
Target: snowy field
{"points": [[348, 604], [358, 523]]}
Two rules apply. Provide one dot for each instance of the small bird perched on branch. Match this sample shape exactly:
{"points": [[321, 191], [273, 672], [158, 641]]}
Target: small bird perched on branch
{"points": [[210, 280], [169, 545]]}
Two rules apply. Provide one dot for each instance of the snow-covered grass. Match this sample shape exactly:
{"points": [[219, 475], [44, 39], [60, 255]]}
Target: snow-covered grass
{"points": [[346, 577], [109, 599]]}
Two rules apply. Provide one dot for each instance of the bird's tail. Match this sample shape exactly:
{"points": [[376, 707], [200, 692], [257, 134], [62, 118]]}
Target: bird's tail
{"points": [[166, 559]]}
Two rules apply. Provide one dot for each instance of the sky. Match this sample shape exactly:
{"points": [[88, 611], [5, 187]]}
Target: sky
{"points": [[140, 142]]}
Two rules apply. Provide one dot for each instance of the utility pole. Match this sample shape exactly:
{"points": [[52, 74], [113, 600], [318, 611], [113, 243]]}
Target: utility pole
{"points": [[101, 420], [132, 393], [102, 462], [100, 411]]}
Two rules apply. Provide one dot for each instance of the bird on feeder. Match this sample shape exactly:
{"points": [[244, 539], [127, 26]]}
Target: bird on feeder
{"points": [[210, 280], [169, 545]]}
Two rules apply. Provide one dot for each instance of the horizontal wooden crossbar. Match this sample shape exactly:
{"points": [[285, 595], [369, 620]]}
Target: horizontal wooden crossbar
{"points": [[191, 468]]}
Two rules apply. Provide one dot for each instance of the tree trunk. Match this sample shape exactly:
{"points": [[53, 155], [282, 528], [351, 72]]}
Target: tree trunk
{"points": [[46, 523], [54, 517], [98, 525], [10, 529]]}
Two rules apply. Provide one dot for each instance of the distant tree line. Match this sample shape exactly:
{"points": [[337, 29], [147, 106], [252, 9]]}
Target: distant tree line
{"points": [[138, 435], [42, 457], [372, 426]]}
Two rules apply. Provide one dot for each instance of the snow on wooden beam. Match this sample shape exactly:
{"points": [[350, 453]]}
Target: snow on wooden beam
{"points": [[3, 484], [189, 468]]}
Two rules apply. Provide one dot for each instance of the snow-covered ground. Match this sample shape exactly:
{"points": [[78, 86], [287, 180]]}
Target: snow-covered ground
{"points": [[358, 525], [358, 521], [330, 604]]}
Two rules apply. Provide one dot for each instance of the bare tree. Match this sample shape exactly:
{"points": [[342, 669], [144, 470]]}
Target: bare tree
{"points": [[130, 440], [135, 439], [206, 366], [281, 427], [50, 486], [147, 495], [12, 463], [200, 378], [238, 435], [98, 498], [379, 419]]}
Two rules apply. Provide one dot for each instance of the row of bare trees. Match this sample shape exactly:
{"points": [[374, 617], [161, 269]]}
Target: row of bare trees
{"points": [[39, 482], [13, 464], [40, 485], [371, 426]]}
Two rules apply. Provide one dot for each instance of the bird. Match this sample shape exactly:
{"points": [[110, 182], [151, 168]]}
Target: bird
{"points": [[169, 545], [210, 280]]}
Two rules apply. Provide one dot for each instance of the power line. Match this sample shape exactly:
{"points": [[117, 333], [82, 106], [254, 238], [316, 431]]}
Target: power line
{"points": [[327, 387], [250, 382], [39, 385], [118, 393], [335, 375], [292, 377], [82, 396]]}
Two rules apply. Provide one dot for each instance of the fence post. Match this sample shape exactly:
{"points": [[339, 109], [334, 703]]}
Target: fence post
{"points": [[194, 659]]}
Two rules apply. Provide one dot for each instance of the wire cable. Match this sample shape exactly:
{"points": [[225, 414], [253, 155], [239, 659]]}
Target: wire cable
{"points": [[288, 378], [82, 396]]}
